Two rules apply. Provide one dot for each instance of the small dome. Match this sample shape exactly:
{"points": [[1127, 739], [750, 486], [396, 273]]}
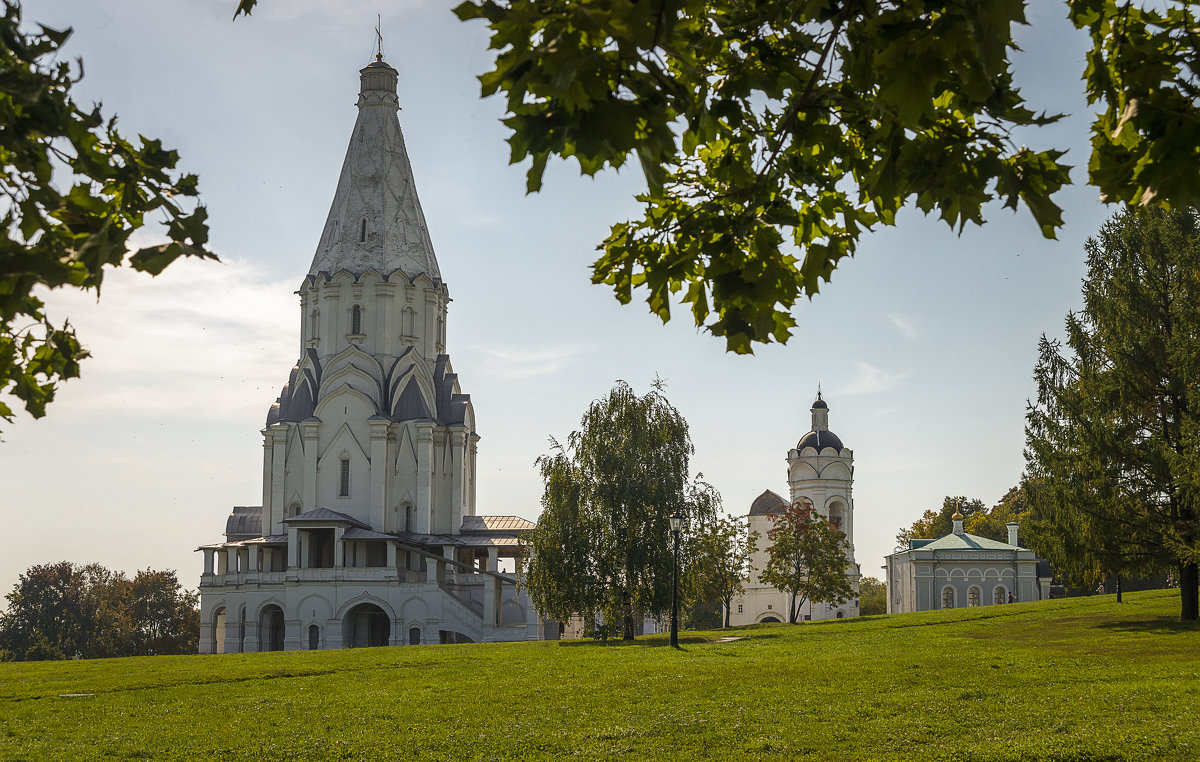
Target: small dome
{"points": [[820, 404], [767, 502], [819, 440]]}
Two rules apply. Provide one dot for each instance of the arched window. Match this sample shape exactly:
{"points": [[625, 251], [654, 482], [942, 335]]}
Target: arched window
{"points": [[414, 636], [408, 517], [312, 323], [408, 322], [973, 595], [314, 637], [947, 597], [293, 510], [1000, 595], [344, 478], [356, 320], [362, 230]]}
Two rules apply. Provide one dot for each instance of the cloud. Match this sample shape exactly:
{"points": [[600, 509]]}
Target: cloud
{"points": [[870, 380], [521, 363], [203, 340], [905, 325]]}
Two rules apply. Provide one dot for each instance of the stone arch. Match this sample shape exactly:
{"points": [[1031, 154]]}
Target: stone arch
{"points": [[838, 513], [948, 596], [365, 598], [217, 645], [272, 627], [366, 625], [836, 471], [802, 471], [415, 609], [771, 617]]}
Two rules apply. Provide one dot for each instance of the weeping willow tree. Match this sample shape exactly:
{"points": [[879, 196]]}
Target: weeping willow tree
{"points": [[602, 549], [1113, 441]]}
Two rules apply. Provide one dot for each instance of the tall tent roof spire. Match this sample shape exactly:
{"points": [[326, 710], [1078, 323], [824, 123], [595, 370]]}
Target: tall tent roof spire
{"points": [[376, 220]]}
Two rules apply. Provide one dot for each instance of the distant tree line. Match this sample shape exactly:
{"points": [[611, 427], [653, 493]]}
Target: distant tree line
{"points": [[66, 610]]}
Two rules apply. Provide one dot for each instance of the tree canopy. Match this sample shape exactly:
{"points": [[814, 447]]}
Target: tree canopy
{"points": [[66, 237], [66, 610], [718, 562], [602, 547], [774, 135], [1113, 439], [806, 558]]}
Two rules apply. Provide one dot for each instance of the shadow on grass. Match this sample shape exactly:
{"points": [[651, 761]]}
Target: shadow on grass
{"points": [[1156, 626], [656, 642]]}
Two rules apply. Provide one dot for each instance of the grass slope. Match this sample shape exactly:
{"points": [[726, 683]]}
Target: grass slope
{"points": [[1083, 679]]}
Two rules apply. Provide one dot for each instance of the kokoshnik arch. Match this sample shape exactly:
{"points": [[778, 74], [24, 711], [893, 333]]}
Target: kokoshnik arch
{"points": [[368, 533]]}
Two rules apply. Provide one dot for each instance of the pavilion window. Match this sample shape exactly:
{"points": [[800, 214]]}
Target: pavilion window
{"points": [[973, 596], [999, 595], [947, 597], [344, 478]]}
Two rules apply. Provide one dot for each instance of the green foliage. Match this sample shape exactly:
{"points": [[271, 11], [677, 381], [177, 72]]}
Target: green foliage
{"points": [[1113, 440], [935, 524], [62, 610], [1142, 70], [946, 674], [602, 548], [806, 558], [719, 562], [65, 238], [872, 597], [771, 135]]}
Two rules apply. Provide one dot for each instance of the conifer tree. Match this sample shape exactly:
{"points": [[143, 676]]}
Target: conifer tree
{"points": [[1112, 440]]}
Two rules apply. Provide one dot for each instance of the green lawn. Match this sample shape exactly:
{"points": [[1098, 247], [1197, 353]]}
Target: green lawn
{"points": [[1083, 679]]}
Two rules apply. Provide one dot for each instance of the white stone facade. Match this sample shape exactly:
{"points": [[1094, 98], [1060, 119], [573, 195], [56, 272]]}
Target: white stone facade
{"points": [[820, 470], [367, 533]]}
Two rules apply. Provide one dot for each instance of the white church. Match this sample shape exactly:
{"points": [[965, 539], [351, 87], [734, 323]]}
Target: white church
{"points": [[367, 533], [821, 471]]}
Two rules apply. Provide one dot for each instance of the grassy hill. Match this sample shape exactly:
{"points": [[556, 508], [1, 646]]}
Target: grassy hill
{"points": [[1082, 679]]}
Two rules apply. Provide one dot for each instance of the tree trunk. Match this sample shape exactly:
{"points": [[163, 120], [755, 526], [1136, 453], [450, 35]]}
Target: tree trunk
{"points": [[792, 610], [1118, 587], [1189, 600], [728, 606], [628, 617]]}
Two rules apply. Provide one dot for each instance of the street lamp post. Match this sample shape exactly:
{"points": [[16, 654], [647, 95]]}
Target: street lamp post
{"points": [[676, 525]]}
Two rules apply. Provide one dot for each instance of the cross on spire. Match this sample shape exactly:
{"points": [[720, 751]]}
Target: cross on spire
{"points": [[378, 38]]}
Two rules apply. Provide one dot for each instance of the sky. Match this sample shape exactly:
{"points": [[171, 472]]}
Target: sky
{"points": [[923, 344]]}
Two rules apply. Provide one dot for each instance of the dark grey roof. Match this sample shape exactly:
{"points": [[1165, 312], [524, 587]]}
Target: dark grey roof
{"points": [[767, 502], [324, 515], [819, 440], [820, 404], [244, 523], [355, 533]]}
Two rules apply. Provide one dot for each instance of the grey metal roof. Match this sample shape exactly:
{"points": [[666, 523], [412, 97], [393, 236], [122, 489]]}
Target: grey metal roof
{"points": [[271, 539], [766, 503], [819, 440], [497, 524], [356, 533], [966, 541], [324, 515], [244, 522]]}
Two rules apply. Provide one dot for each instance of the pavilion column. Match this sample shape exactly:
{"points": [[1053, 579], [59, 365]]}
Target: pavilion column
{"points": [[208, 560], [294, 555], [491, 595], [379, 439], [458, 446], [310, 431], [339, 547], [424, 507], [254, 558], [279, 434]]}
